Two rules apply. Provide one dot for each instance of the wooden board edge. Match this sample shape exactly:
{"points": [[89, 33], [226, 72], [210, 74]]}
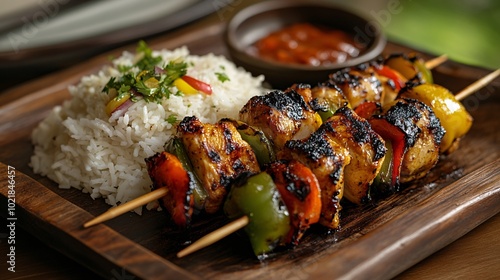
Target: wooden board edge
{"points": [[58, 223], [473, 199]]}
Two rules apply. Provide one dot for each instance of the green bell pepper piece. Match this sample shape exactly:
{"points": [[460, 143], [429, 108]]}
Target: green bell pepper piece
{"points": [[383, 181], [261, 146], [259, 199]]}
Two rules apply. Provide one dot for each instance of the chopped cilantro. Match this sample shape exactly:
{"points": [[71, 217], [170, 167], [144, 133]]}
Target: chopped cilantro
{"points": [[222, 76], [152, 81], [172, 119], [124, 68]]}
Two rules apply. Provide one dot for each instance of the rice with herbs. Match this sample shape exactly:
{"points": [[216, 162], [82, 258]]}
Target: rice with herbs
{"points": [[78, 145]]}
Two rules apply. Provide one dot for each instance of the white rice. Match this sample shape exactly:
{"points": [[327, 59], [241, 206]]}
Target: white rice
{"points": [[79, 146]]}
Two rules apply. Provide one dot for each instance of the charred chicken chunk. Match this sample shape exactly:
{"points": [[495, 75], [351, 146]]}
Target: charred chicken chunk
{"points": [[282, 116], [327, 158], [358, 84], [423, 133], [328, 98], [219, 156], [367, 151]]}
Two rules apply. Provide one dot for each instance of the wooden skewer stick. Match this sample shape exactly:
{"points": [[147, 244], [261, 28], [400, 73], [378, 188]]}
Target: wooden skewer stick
{"points": [[429, 64], [477, 85], [128, 206], [215, 236]]}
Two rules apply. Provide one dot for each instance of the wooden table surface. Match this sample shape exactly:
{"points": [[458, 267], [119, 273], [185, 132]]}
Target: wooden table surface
{"points": [[474, 256]]}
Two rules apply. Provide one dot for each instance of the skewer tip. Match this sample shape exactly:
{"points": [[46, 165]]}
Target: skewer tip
{"points": [[214, 236], [432, 63], [91, 223], [128, 206], [477, 85]]}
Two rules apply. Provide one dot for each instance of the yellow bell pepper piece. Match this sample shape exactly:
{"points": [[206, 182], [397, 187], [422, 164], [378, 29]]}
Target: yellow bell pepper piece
{"points": [[184, 87], [115, 103], [409, 66], [152, 83], [453, 116]]}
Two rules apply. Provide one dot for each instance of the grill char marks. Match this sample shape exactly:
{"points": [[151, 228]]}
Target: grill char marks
{"points": [[405, 116], [291, 104], [423, 134], [219, 156], [327, 159], [281, 115], [358, 84], [166, 171], [366, 148]]}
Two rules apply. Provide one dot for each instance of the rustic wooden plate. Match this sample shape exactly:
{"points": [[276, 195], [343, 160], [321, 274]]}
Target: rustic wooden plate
{"points": [[377, 241]]}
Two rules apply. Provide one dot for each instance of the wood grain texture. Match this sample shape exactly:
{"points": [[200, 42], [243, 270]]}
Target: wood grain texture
{"points": [[473, 256], [378, 240]]}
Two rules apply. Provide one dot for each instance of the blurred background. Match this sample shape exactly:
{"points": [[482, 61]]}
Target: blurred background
{"points": [[41, 36], [467, 30]]}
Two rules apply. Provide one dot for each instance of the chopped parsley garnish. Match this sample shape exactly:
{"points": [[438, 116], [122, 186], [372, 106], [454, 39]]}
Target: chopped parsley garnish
{"points": [[151, 81], [172, 119], [222, 76]]}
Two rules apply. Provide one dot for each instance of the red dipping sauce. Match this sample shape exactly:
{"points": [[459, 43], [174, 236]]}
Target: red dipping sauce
{"points": [[306, 44]]}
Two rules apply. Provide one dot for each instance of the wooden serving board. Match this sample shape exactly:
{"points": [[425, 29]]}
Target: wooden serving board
{"points": [[377, 241]]}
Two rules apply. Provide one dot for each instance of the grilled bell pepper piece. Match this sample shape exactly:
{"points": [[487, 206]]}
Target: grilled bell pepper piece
{"points": [[259, 199], [368, 109], [411, 66], [176, 148], [383, 181], [166, 170], [261, 146], [389, 73], [453, 116], [301, 193], [395, 139]]}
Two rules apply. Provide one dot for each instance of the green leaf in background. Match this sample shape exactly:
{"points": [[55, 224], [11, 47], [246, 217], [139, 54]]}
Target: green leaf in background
{"points": [[468, 31]]}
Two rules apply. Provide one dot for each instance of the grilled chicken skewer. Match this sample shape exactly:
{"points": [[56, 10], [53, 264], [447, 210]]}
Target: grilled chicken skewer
{"points": [[325, 95], [421, 119], [414, 135], [381, 80], [212, 156]]}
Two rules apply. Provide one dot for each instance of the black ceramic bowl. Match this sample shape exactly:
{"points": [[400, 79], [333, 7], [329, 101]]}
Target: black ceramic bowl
{"points": [[256, 21]]}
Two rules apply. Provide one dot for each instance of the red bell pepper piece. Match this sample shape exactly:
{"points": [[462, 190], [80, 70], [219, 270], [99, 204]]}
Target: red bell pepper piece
{"points": [[197, 84], [368, 109], [301, 194], [390, 132], [390, 73], [166, 170]]}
